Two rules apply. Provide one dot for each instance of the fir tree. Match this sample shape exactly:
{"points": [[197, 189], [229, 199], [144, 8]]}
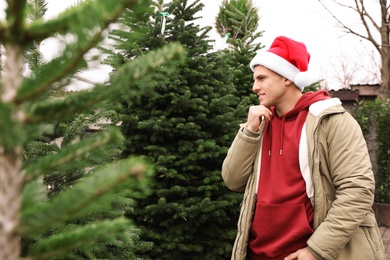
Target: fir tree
{"points": [[74, 222], [184, 128], [239, 18]]}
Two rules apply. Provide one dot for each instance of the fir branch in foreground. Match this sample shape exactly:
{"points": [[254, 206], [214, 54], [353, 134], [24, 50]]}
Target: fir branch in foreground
{"points": [[108, 10], [73, 57], [65, 242], [129, 73], [15, 18], [69, 204], [68, 154]]}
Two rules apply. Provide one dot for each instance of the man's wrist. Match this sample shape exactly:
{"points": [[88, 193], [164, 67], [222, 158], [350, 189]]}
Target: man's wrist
{"points": [[314, 253]]}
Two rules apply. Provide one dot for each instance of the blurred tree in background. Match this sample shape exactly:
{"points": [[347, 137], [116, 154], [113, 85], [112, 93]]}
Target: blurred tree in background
{"points": [[374, 117]]}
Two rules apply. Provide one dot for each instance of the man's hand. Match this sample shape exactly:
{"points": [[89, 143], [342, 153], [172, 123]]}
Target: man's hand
{"points": [[255, 115], [301, 254]]}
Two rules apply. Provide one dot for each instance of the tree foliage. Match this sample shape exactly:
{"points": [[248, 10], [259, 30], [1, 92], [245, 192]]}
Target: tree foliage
{"points": [[237, 18], [375, 116], [83, 219], [184, 128]]}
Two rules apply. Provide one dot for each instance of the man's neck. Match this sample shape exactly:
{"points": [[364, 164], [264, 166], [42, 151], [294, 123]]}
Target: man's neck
{"points": [[289, 102]]}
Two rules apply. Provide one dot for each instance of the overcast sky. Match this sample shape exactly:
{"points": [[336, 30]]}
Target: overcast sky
{"points": [[302, 20]]}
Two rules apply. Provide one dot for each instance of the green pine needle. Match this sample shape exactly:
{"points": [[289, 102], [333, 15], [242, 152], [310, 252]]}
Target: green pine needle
{"points": [[131, 173]]}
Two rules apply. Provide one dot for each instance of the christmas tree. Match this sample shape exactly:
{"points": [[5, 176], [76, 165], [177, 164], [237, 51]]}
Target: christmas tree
{"points": [[184, 126], [237, 21]]}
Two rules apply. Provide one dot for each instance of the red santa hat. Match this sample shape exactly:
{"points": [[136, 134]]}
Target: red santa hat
{"points": [[288, 58]]}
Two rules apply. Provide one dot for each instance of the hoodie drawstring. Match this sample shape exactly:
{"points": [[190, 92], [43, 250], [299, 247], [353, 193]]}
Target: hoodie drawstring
{"points": [[282, 137], [269, 130]]}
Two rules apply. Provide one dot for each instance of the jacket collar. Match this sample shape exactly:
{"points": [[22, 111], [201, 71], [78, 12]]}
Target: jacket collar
{"points": [[318, 107]]}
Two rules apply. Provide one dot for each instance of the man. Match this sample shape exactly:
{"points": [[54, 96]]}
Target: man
{"points": [[303, 165]]}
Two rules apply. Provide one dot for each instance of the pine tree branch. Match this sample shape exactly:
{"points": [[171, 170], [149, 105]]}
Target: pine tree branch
{"points": [[82, 100], [71, 18], [60, 160], [67, 21], [74, 202], [65, 242], [39, 10], [15, 18], [31, 88], [73, 56]]}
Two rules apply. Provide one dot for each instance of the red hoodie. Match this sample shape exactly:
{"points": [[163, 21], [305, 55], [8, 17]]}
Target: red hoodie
{"points": [[283, 217]]}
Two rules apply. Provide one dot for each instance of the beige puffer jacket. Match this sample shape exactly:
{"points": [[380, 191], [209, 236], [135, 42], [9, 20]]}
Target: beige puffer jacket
{"points": [[341, 184]]}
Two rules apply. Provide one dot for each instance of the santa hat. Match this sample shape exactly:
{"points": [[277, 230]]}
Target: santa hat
{"points": [[288, 58]]}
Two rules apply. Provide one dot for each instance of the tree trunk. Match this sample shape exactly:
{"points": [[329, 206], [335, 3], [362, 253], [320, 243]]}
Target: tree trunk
{"points": [[384, 91], [10, 181], [10, 160]]}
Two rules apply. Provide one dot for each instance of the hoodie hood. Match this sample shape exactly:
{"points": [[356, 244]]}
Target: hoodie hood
{"points": [[303, 104]]}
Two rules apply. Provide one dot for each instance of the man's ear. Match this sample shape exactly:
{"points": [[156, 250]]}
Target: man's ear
{"points": [[287, 82]]}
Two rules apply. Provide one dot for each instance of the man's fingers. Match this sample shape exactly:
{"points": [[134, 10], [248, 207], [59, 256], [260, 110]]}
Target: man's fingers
{"points": [[292, 256]]}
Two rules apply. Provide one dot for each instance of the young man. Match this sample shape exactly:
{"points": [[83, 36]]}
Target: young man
{"points": [[303, 165]]}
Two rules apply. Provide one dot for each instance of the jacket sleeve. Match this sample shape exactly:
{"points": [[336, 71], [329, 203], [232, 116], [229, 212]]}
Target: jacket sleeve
{"points": [[239, 161], [347, 184]]}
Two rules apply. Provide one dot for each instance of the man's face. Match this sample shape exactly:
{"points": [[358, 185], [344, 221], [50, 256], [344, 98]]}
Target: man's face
{"points": [[269, 86]]}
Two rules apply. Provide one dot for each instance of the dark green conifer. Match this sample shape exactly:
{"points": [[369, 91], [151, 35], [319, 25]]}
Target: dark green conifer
{"points": [[239, 19], [184, 127]]}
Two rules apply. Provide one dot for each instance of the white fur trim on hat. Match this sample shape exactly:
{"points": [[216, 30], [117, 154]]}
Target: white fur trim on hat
{"points": [[275, 63], [282, 67], [304, 79]]}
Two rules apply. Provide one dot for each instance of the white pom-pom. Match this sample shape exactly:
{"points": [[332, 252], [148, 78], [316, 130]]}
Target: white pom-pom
{"points": [[304, 79]]}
